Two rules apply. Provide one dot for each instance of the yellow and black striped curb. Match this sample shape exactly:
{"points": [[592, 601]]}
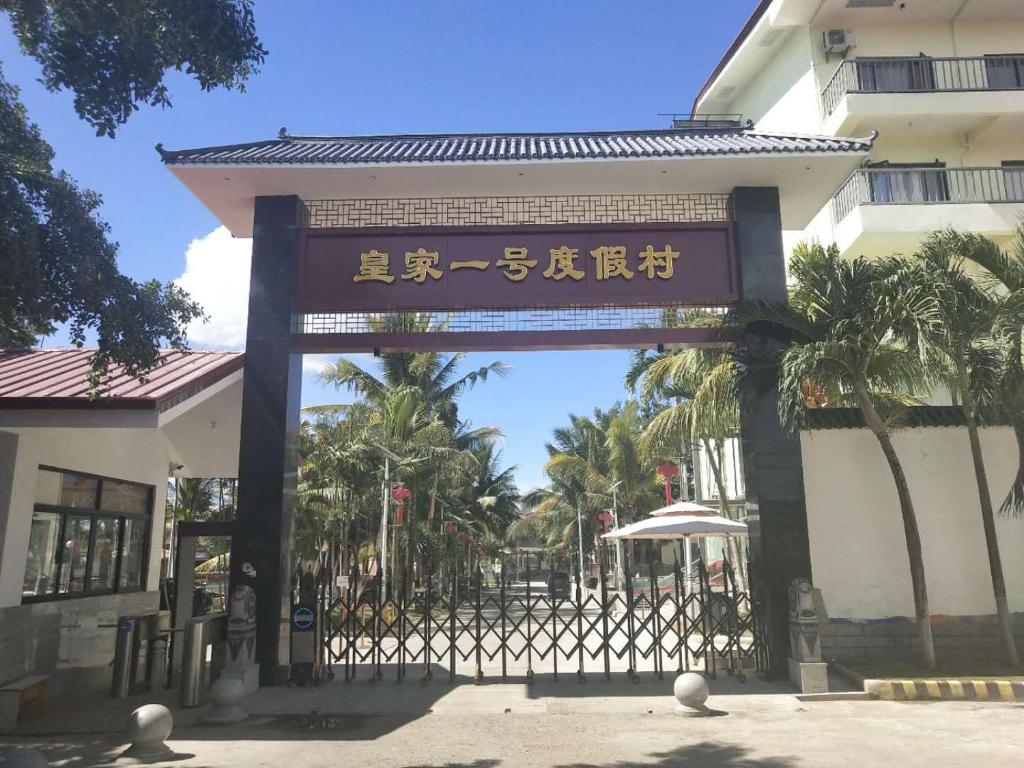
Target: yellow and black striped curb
{"points": [[947, 689]]}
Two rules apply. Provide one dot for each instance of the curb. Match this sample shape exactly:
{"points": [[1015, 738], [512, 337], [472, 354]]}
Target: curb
{"points": [[946, 689]]}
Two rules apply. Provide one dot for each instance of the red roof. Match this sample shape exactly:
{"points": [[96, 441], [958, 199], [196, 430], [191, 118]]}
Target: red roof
{"points": [[58, 378]]}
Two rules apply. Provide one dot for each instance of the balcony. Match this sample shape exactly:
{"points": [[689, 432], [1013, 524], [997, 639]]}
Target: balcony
{"points": [[887, 210], [951, 94]]}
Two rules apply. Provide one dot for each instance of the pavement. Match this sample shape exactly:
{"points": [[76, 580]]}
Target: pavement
{"points": [[548, 724]]}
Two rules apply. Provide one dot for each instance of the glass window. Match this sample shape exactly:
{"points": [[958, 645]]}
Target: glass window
{"points": [[124, 497], [76, 549], [43, 546], [75, 554], [133, 554], [103, 566], [65, 489]]}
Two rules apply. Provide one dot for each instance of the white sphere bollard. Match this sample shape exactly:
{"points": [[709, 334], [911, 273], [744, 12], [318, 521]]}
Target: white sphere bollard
{"points": [[227, 695], [691, 691], [148, 728]]}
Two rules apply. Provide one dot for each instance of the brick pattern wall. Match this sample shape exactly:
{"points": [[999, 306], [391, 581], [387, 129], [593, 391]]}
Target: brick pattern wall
{"points": [[496, 211], [957, 638]]}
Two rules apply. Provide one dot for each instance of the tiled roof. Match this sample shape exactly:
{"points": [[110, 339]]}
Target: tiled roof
{"points": [[918, 416], [58, 378], [451, 148]]}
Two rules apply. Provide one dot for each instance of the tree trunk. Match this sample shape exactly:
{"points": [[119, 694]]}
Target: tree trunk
{"points": [[910, 529], [988, 521]]}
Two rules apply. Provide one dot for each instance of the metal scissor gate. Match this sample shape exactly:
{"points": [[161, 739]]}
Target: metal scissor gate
{"points": [[654, 624]]}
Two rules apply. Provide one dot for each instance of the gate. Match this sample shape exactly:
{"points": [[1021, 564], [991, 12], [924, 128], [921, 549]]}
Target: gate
{"points": [[660, 622]]}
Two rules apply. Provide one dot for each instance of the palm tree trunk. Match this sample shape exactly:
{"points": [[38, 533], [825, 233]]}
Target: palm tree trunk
{"points": [[910, 529], [988, 521]]}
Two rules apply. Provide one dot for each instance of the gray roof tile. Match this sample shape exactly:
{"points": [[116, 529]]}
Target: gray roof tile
{"points": [[352, 150]]}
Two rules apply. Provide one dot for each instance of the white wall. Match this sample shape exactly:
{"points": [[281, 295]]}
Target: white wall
{"points": [[858, 549], [783, 96]]}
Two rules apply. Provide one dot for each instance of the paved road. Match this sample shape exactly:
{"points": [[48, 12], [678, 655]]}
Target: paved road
{"points": [[620, 725]]}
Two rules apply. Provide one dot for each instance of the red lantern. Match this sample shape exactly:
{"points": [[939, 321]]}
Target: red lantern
{"points": [[667, 470], [449, 527], [400, 493], [605, 518]]}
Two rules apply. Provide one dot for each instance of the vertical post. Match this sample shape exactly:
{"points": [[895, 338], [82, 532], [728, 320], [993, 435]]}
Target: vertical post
{"points": [[504, 613], [605, 639], [772, 464], [268, 452]]}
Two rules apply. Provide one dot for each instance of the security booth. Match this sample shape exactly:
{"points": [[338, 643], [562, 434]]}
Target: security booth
{"points": [[521, 242], [83, 491]]}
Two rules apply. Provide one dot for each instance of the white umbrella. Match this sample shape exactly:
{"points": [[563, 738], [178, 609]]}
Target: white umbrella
{"points": [[670, 525], [684, 508], [678, 526]]}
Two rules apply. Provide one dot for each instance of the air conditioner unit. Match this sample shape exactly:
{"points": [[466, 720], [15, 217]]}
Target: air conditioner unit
{"points": [[838, 40]]}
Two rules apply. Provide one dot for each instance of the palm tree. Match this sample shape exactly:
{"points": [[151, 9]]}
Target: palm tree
{"points": [[433, 373], [1004, 274], [586, 459], [957, 327], [839, 349], [704, 383]]}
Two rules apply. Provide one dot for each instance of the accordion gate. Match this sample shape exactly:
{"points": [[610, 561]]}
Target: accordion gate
{"points": [[508, 630]]}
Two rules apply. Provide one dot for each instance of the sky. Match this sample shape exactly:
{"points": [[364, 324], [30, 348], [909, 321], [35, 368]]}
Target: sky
{"points": [[339, 67]]}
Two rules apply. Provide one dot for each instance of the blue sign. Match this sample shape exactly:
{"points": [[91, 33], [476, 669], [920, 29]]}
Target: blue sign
{"points": [[303, 617]]}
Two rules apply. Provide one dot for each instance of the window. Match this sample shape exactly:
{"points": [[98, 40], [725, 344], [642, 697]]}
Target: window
{"points": [[1005, 72], [908, 183], [1013, 180], [895, 75], [89, 536]]}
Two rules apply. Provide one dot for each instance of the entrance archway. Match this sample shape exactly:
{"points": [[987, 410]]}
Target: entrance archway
{"points": [[470, 227]]}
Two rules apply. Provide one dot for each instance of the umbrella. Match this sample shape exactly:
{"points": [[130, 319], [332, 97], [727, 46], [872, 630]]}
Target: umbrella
{"points": [[684, 508], [678, 526]]}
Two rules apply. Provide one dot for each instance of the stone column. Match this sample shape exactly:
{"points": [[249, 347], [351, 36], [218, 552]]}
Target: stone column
{"points": [[268, 454], [772, 464]]}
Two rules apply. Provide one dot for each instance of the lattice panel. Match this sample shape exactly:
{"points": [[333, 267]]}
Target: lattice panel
{"points": [[496, 211], [474, 321]]}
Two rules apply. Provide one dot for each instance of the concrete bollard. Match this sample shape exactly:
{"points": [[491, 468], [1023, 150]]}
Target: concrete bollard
{"points": [[227, 695], [691, 691], [148, 728]]}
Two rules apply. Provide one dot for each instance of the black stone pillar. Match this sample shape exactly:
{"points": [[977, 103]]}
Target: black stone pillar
{"points": [[772, 465], [268, 454]]}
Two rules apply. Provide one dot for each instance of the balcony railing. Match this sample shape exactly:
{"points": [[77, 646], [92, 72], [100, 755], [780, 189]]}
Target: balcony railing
{"points": [[922, 74], [928, 186]]}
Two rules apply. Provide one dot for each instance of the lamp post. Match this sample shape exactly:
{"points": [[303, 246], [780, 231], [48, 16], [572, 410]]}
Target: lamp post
{"points": [[618, 542], [579, 531]]}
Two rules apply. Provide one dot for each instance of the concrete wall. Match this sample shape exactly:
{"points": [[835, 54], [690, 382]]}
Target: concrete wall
{"points": [[858, 549]]}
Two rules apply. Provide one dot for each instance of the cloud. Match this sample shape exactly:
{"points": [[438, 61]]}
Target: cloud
{"points": [[315, 363], [217, 276]]}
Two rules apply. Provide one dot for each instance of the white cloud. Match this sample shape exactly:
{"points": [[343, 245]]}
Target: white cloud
{"points": [[217, 276], [316, 363]]}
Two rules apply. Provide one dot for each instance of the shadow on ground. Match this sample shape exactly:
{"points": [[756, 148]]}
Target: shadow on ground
{"points": [[704, 755]]}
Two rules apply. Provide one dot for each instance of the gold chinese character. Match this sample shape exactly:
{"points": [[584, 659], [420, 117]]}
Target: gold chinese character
{"points": [[374, 265], [471, 264], [419, 264], [611, 262], [518, 265], [651, 260], [562, 264]]}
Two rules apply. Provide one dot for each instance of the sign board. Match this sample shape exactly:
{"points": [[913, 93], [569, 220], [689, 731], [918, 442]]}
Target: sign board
{"points": [[342, 582], [303, 617], [502, 268]]}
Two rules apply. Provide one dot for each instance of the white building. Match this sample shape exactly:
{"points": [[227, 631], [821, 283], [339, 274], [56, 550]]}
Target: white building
{"points": [[941, 82], [83, 486]]}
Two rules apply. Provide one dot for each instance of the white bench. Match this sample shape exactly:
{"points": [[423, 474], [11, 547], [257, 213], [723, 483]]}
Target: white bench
{"points": [[26, 697]]}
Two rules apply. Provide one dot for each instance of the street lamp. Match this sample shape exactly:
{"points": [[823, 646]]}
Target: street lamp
{"points": [[618, 542]]}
